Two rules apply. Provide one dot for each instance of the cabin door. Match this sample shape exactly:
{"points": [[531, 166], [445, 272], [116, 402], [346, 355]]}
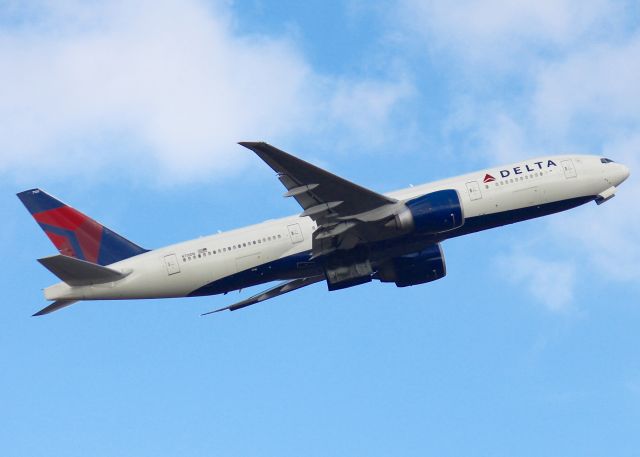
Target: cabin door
{"points": [[569, 169], [474, 190], [171, 263], [295, 233]]}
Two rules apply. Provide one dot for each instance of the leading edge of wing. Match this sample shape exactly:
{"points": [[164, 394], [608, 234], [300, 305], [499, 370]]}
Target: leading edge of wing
{"points": [[280, 289]]}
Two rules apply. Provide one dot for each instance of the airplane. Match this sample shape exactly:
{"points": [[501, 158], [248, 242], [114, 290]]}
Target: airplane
{"points": [[345, 236]]}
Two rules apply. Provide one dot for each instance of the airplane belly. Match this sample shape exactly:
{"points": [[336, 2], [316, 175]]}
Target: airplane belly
{"points": [[529, 196]]}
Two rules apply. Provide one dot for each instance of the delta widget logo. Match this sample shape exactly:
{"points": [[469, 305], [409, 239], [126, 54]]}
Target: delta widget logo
{"points": [[521, 169], [488, 178]]}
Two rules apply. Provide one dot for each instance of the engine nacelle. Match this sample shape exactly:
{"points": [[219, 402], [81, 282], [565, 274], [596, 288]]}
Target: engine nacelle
{"points": [[435, 212], [417, 268]]}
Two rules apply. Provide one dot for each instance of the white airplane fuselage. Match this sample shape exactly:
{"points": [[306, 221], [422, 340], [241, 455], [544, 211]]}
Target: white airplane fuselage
{"points": [[281, 248]]}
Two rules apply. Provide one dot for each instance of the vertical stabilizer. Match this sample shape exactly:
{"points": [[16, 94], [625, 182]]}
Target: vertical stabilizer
{"points": [[74, 234]]}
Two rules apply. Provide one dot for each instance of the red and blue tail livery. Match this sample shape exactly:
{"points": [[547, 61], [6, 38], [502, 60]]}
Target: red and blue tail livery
{"points": [[74, 234]]}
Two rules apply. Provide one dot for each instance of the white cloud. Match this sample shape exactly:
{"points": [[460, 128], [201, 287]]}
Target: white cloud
{"points": [[585, 103], [167, 86], [598, 84], [550, 282], [364, 106], [504, 32]]}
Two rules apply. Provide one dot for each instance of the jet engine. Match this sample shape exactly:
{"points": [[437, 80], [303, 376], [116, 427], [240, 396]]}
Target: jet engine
{"points": [[416, 268], [435, 212]]}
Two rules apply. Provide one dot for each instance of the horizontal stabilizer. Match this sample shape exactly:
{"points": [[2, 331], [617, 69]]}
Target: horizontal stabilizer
{"points": [[55, 306], [76, 272], [282, 288]]}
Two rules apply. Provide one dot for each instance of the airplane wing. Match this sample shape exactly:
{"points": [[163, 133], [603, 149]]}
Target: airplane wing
{"points": [[320, 193], [282, 288], [340, 208]]}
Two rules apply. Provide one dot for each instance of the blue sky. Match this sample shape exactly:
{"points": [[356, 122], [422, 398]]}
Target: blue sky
{"points": [[131, 111]]}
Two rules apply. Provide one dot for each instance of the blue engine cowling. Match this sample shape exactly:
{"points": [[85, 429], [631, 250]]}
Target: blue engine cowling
{"points": [[417, 268], [435, 212]]}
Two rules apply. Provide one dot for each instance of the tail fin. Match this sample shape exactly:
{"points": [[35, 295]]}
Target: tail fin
{"points": [[75, 234]]}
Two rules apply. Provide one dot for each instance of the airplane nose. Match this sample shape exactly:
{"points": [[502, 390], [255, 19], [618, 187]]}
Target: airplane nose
{"points": [[619, 174], [624, 173]]}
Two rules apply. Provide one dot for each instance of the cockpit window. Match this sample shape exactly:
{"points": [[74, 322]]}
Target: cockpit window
{"points": [[605, 160]]}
